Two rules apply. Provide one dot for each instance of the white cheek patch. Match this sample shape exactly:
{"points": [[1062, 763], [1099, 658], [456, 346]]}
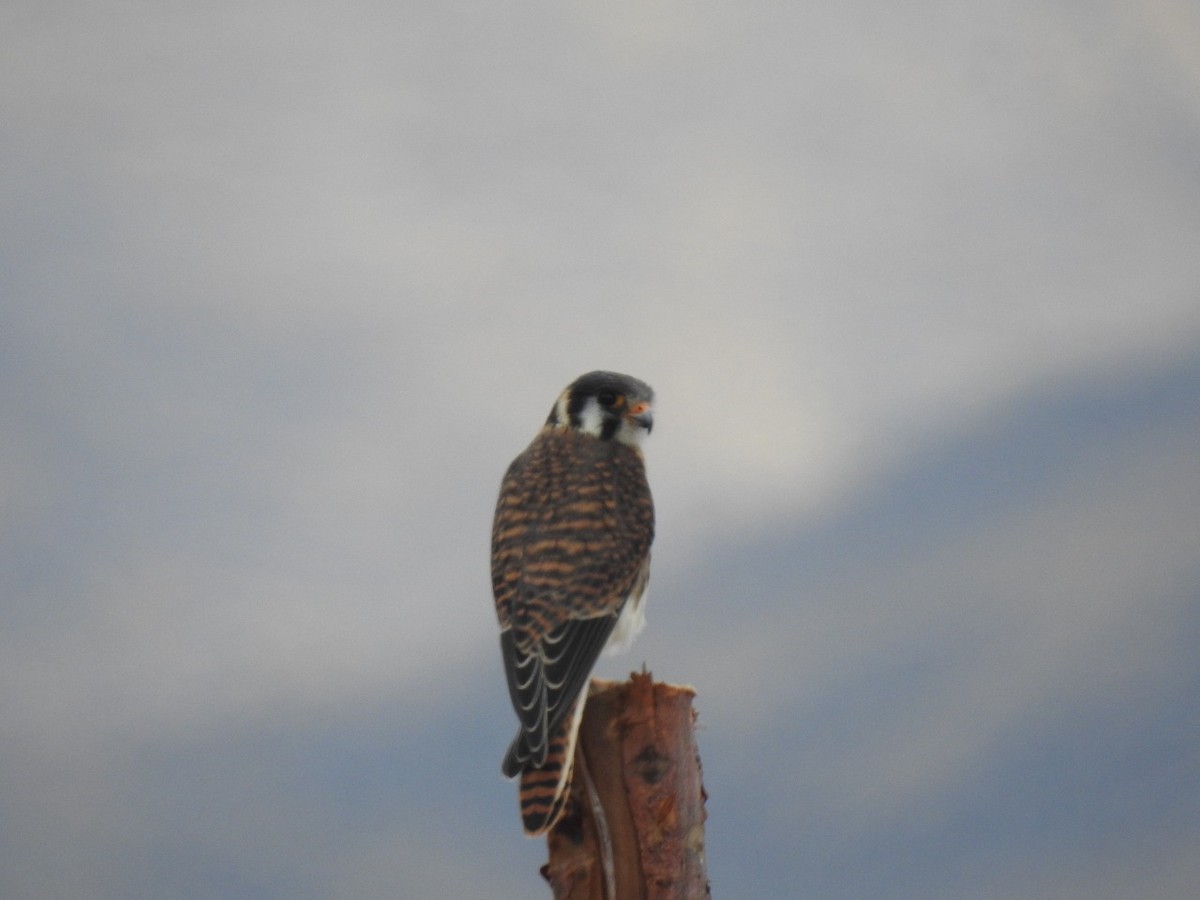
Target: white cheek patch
{"points": [[591, 418]]}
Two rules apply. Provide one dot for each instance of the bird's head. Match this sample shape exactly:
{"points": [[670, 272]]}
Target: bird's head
{"points": [[606, 405]]}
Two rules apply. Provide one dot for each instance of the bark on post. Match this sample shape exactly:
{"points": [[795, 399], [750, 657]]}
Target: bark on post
{"points": [[635, 830]]}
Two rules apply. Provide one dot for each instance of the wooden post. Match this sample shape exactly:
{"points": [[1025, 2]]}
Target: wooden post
{"points": [[635, 829]]}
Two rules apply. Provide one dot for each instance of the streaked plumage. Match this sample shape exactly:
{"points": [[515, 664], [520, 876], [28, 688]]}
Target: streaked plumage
{"points": [[570, 559]]}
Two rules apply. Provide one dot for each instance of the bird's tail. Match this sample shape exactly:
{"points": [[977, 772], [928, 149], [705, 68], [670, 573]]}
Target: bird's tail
{"points": [[544, 791]]}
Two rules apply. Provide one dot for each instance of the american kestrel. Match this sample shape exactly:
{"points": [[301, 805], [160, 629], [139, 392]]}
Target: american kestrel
{"points": [[570, 560]]}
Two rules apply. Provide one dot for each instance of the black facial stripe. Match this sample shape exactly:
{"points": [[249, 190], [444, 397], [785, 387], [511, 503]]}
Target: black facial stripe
{"points": [[609, 428], [575, 406]]}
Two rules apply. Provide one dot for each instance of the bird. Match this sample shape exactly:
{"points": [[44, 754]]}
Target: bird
{"points": [[570, 562]]}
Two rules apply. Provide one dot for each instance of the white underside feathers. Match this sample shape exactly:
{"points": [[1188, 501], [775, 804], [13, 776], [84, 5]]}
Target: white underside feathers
{"points": [[631, 621]]}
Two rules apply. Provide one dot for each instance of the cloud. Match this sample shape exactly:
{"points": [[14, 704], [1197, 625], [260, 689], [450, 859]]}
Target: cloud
{"points": [[285, 292], [904, 680]]}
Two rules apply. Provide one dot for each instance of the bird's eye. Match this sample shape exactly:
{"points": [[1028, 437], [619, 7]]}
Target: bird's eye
{"points": [[607, 398]]}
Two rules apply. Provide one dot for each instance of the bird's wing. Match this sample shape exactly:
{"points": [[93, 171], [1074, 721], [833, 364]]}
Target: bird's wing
{"points": [[545, 683]]}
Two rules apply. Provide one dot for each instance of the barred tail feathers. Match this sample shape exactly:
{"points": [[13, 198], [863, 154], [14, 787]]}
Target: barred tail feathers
{"points": [[544, 791]]}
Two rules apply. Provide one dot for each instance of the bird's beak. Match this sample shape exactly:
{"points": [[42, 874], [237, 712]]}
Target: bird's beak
{"points": [[641, 414]]}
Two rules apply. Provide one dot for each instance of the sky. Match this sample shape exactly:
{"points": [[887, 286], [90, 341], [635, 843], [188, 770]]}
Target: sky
{"points": [[284, 288]]}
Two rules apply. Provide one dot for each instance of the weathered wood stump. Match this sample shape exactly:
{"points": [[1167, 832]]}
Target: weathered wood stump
{"points": [[635, 828]]}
